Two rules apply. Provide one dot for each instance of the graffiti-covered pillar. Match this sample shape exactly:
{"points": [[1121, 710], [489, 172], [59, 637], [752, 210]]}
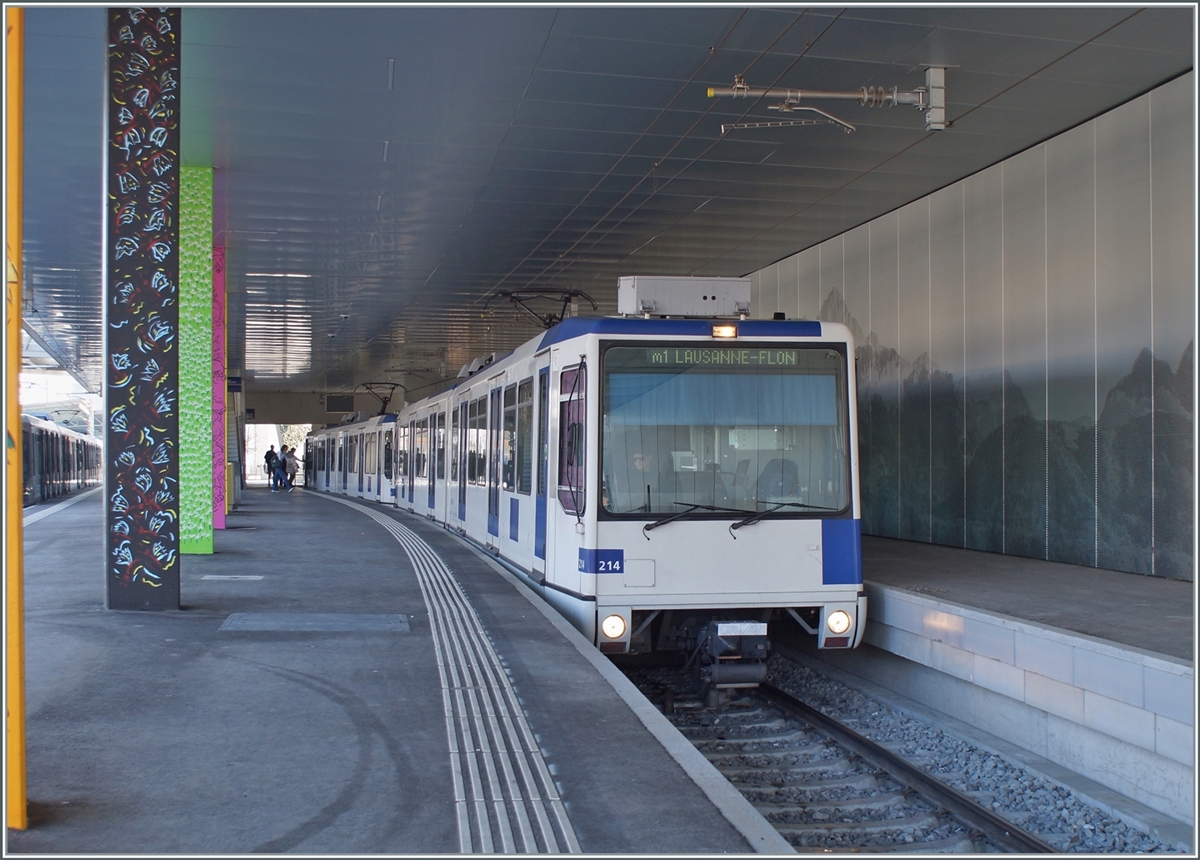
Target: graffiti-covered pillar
{"points": [[141, 387]]}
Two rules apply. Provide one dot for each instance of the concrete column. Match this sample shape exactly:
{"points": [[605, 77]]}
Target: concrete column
{"points": [[141, 386], [195, 360], [220, 491]]}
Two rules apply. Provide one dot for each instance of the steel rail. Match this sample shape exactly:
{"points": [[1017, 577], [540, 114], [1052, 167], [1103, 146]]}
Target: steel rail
{"points": [[995, 827]]}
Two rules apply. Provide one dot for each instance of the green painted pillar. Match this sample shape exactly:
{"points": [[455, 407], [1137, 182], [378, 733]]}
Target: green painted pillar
{"points": [[195, 360]]}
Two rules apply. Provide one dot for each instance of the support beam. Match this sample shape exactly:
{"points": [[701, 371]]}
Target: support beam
{"points": [[141, 387], [17, 811]]}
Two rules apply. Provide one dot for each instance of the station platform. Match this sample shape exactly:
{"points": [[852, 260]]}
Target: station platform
{"points": [[305, 698], [342, 678], [1082, 674]]}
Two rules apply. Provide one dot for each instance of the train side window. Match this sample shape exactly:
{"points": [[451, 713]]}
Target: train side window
{"points": [[525, 436], [421, 446], [454, 445], [572, 448], [508, 441], [476, 442], [440, 445], [369, 464], [402, 452], [543, 428], [472, 443], [493, 452]]}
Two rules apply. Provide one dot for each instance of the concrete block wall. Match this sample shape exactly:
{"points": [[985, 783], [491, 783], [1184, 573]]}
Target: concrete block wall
{"points": [[1121, 716]]}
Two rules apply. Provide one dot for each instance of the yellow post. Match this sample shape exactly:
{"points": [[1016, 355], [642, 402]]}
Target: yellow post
{"points": [[14, 475]]}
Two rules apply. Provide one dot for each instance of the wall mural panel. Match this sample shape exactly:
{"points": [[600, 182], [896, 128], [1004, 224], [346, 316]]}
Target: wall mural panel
{"points": [[913, 343], [195, 360], [218, 387], [1124, 366], [1025, 335], [1174, 278], [885, 373], [142, 312], [1040, 359], [1071, 353], [984, 396], [947, 360]]}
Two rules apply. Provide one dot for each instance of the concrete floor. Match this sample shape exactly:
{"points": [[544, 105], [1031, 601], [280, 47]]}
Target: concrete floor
{"points": [[160, 733]]}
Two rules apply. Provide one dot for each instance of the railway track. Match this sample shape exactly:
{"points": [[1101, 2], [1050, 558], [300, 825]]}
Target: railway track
{"points": [[821, 784]]}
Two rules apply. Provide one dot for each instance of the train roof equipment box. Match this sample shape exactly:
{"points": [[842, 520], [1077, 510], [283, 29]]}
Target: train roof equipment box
{"points": [[660, 296]]}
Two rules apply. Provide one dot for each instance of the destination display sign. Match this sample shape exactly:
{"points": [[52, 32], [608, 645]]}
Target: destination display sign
{"points": [[725, 356]]}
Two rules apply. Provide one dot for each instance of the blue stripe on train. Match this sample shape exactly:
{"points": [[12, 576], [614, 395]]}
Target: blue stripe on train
{"points": [[841, 552], [539, 528]]}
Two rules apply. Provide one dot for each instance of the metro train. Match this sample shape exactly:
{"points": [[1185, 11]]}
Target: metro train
{"points": [[57, 461], [667, 484]]}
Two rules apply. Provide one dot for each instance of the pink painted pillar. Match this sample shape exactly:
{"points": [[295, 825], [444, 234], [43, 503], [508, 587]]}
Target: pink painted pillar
{"points": [[218, 364]]}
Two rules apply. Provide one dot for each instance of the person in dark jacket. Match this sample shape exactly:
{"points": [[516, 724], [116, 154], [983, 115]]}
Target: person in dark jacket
{"points": [[272, 460]]}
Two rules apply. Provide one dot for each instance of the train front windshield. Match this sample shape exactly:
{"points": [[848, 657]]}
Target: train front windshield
{"points": [[746, 428]]}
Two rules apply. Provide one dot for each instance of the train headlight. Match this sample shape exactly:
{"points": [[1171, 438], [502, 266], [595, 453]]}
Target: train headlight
{"points": [[724, 330], [838, 622], [613, 627]]}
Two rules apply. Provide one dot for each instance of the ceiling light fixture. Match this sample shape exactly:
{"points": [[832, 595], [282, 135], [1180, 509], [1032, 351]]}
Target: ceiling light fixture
{"points": [[275, 275], [391, 73], [386, 144]]}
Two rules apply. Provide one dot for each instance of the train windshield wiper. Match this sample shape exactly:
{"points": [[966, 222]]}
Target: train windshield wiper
{"points": [[691, 508], [752, 519]]}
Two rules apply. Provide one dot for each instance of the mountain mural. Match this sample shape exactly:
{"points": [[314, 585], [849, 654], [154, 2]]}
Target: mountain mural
{"points": [[965, 461]]}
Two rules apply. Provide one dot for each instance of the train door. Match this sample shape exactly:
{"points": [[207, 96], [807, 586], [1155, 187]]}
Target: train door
{"points": [[421, 461], [568, 426], [459, 431], [412, 460], [401, 463], [493, 454], [388, 488], [509, 506], [356, 464], [371, 463], [437, 457], [443, 467], [542, 464], [341, 463]]}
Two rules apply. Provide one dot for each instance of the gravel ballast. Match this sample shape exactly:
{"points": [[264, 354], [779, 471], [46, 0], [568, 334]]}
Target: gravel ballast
{"points": [[1029, 800]]}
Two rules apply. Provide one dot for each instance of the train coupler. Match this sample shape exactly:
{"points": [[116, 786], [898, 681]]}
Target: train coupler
{"points": [[734, 654]]}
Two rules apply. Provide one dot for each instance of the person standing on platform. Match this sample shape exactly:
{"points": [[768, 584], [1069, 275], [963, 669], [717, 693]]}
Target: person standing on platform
{"points": [[271, 459], [292, 466], [281, 468]]}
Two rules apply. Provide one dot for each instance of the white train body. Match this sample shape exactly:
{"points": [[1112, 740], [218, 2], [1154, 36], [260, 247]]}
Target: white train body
{"points": [[742, 504]]}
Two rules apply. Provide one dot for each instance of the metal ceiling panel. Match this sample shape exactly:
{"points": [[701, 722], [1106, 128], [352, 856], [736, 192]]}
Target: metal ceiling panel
{"points": [[533, 146]]}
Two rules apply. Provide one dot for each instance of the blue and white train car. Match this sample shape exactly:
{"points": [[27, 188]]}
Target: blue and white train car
{"points": [[665, 483]]}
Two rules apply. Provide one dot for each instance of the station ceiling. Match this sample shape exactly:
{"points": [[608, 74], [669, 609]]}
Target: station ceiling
{"points": [[384, 174]]}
